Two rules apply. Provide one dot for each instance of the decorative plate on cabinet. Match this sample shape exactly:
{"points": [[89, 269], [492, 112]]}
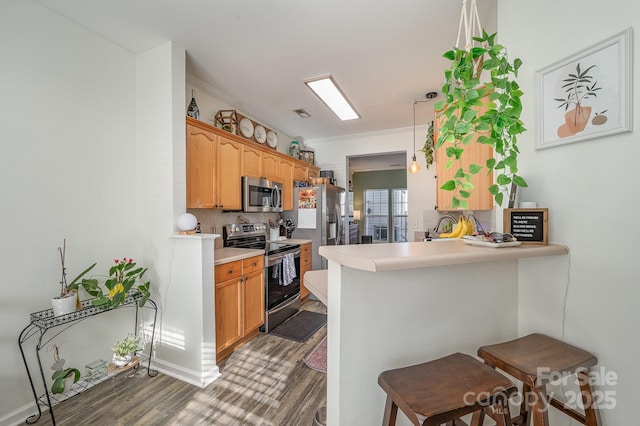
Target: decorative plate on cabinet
{"points": [[246, 127], [272, 139], [260, 134]]}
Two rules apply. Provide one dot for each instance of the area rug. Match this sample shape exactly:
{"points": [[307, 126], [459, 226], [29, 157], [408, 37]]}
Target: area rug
{"points": [[317, 358], [301, 326]]}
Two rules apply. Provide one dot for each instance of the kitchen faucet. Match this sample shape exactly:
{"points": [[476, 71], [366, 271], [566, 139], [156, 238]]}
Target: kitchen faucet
{"points": [[437, 227]]}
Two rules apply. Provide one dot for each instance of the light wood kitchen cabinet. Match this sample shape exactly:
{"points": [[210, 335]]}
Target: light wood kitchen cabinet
{"points": [[216, 161], [229, 174], [312, 172], [211, 182], [474, 153], [202, 154], [251, 162], [286, 177], [299, 172], [305, 265], [239, 303], [271, 166]]}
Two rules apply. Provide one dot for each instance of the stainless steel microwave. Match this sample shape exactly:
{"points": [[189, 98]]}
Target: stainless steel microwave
{"points": [[260, 195]]}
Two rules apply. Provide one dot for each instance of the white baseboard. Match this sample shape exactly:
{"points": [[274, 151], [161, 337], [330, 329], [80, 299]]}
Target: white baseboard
{"points": [[19, 415], [192, 377]]}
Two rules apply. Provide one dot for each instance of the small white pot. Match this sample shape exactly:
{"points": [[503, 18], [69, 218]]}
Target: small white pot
{"points": [[64, 305], [68, 382], [121, 361]]}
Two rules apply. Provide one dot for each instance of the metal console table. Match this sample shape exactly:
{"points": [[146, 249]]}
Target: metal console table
{"points": [[43, 321]]}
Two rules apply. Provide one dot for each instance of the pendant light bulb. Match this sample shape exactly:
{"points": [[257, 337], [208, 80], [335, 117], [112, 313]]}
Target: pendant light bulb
{"points": [[414, 167]]}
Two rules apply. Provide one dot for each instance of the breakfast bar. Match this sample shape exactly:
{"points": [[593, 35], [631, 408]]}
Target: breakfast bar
{"points": [[393, 305]]}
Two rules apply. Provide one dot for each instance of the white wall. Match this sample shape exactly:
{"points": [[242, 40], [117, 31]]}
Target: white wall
{"points": [[210, 101], [589, 190], [67, 170], [91, 150], [331, 154]]}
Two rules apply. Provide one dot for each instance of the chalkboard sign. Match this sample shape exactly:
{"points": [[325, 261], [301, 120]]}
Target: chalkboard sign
{"points": [[530, 226]]}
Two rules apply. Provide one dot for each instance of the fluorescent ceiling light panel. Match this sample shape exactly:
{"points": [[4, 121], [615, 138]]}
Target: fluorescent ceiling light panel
{"points": [[328, 91]]}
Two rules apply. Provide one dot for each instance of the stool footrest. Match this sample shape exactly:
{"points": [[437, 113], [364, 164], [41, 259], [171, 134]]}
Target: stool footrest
{"points": [[574, 414]]}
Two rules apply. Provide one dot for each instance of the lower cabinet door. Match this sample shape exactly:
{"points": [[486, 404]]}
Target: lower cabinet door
{"points": [[253, 301], [228, 313]]}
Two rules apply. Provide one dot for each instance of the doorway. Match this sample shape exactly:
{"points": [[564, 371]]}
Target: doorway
{"points": [[378, 197]]}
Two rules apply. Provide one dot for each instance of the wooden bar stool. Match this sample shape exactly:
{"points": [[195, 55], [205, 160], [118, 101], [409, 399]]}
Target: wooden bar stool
{"points": [[443, 390], [536, 360]]}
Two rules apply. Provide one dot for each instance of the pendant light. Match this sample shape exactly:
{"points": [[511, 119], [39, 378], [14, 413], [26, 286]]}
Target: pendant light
{"points": [[414, 167]]}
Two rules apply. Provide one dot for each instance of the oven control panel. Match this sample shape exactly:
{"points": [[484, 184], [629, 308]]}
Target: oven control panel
{"points": [[243, 230]]}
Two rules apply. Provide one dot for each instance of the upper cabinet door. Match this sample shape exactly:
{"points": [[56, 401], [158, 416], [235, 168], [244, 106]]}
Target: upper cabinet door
{"points": [[299, 172], [229, 174], [474, 153], [201, 168], [286, 177], [251, 162], [270, 166]]}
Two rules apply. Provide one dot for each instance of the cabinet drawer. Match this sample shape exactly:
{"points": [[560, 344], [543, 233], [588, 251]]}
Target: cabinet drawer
{"points": [[252, 264], [305, 263], [226, 271], [305, 250]]}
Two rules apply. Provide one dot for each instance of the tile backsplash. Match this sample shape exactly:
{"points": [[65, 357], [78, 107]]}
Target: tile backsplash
{"points": [[212, 221]]}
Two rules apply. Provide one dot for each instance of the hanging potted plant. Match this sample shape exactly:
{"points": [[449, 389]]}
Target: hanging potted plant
{"points": [[67, 301], [460, 121]]}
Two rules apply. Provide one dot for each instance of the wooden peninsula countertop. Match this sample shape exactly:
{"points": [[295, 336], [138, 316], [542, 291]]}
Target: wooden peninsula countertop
{"points": [[399, 256]]}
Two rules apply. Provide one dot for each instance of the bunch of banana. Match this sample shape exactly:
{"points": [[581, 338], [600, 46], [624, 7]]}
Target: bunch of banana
{"points": [[463, 227]]}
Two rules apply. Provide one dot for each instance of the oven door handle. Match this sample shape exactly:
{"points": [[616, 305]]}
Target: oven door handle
{"points": [[286, 304], [272, 260]]}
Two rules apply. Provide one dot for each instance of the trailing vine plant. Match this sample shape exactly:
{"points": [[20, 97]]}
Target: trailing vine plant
{"points": [[498, 126], [429, 146]]}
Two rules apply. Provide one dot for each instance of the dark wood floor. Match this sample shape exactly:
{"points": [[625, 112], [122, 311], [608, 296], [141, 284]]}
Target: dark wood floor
{"points": [[266, 382]]}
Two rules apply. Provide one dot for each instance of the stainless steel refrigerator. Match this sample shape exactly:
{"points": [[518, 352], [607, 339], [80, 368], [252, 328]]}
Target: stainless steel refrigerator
{"points": [[319, 216]]}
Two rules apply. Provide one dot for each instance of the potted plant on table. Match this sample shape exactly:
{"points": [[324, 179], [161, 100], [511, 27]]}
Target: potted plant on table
{"points": [[67, 301], [125, 350], [124, 277], [64, 379]]}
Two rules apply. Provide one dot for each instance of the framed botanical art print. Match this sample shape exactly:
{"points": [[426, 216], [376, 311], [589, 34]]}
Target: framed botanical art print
{"points": [[587, 95]]}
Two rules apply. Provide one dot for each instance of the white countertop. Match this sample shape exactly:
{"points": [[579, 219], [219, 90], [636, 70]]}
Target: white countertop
{"points": [[398, 256], [292, 241], [230, 254]]}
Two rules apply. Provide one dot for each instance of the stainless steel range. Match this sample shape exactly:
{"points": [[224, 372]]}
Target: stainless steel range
{"points": [[281, 269]]}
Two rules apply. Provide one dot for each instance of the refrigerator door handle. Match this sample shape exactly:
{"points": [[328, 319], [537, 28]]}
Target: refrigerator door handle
{"points": [[338, 225]]}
